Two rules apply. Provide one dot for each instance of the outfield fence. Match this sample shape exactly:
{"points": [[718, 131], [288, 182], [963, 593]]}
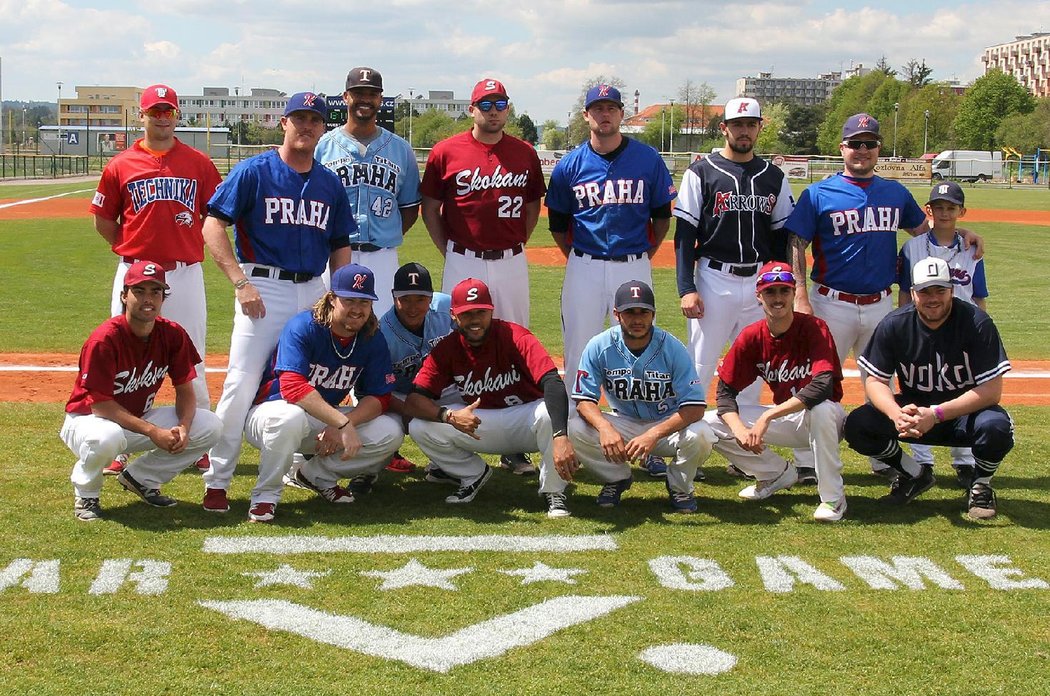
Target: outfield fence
{"points": [[19, 166]]}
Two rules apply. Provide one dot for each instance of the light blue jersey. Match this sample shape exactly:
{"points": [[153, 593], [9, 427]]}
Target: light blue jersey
{"points": [[407, 350], [648, 387], [378, 183]]}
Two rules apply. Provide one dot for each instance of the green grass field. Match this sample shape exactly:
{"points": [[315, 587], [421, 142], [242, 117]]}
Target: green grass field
{"points": [[972, 620]]}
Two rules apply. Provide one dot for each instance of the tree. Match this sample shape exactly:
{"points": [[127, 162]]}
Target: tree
{"points": [[989, 100], [578, 130], [694, 99], [800, 128], [1026, 132], [883, 66], [553, 135], [528, 129], [917, 74], [774, 117], [853, 96]]}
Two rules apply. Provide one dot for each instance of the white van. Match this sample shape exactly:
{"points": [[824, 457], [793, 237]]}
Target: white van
{"points": [[967, 165]]}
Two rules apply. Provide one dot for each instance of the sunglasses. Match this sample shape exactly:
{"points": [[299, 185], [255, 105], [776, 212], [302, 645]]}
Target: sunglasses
{"points": [[162, 112], [858, 144], [777, 277], [486, 106]]}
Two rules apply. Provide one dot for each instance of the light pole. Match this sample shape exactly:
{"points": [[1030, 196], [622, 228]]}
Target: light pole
{"points": [[925, 129], [24, 140], [58, 116], [896, 108], [568, 122], [662, 119], [671, 148], [410, 97]]}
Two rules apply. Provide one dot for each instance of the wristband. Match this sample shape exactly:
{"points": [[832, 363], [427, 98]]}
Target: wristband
{"points": [[344, 424], [938, 413], [558, 433], [442, 416], [241, 283]]}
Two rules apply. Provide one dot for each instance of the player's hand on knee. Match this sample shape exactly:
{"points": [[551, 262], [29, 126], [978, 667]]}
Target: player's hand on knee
{"points": [[565, 462], [464, 419], [181, 439], [641, 447], [163, 438], [753, 442], [613, 446], [350, 441], [329, 441], [692, 305]]}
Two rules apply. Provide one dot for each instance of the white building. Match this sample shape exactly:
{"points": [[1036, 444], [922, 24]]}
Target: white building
{"points": [[1027, 58], [801, 90], [217, 106]]}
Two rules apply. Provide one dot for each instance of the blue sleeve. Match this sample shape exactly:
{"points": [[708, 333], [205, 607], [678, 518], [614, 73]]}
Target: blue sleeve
{"points": [[377, 373], [980, 283], [803, 219], [236, 194], [294, 348], [408, 194], [557, 190], [685, 382], [913, 215], [663, 186], [342, 224], [587, 381]]}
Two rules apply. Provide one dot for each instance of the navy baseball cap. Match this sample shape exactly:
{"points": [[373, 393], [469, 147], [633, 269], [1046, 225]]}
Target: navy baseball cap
{"points": [[470, 294], [930, 271], [947, 191], [859, 123], [413, 279], [634, 293], [364, 77], [354, 281], [603, 93], [307, 101]]}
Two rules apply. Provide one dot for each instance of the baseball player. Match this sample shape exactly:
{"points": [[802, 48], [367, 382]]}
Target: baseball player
{"points": [[322, 354], [609, 204], [658, 405], [852, 221], [795, 355], [291, 217], [945, 207], [419, 319], [381, 177], [481, 200], [512, 400], [949, 362], [149, 204], [110, 411]]}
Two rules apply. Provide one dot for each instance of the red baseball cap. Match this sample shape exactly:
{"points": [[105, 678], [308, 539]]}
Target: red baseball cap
{"points": [[145, 272], [488, 88], [470, 294], [775, 273], [158, 94]]}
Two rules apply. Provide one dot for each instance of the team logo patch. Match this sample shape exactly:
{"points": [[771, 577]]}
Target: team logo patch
{"points": [[161, 92], [308, 99], [99, 199], [863, 121], [359, 281], [184, 218]]}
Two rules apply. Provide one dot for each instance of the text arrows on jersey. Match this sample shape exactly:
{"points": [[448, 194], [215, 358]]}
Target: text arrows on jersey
{"points": [[486, 639]]}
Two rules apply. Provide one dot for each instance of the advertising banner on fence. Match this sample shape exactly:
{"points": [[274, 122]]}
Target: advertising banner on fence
{"points": [[903, 169], [794, 167], [548, 158]]}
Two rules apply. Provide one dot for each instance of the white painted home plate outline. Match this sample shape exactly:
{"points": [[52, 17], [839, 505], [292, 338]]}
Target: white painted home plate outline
{"points": [[486, 639], [408, 544]]}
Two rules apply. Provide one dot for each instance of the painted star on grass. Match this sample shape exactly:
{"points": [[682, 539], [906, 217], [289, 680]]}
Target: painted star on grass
{"points": [[287, 575], [415, 573], [541, 572]]}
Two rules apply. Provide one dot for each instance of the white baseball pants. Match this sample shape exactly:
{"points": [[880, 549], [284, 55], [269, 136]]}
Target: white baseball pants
{"points": [[507, 278]]}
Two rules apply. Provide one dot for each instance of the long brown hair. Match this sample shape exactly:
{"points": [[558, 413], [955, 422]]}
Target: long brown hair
{"points": [[325, 307]]}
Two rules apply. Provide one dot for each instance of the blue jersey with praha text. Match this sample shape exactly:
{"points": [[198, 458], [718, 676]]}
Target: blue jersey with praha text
{"points": [[407, 350], [283, 218], [378, 183], [853, 229], [650, 386], [611, 202], [313, 351]]}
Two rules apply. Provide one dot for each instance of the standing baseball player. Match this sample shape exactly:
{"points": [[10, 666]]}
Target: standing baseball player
{"points": [[381, 177], [795, 355], [481, 200], [949, 362], [291, 217], [658, 405], [945, 207], [110, 411], [150, 203], [322, 354], [512, 400], [852, 221], [419, 319]]}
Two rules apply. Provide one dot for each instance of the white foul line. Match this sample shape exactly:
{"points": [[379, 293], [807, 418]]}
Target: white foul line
{"points": [[39, 200], [407, 544]]}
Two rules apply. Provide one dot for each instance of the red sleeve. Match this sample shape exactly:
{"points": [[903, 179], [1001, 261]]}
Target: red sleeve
{"points": [[436, 372], [431, 185], [738, 368], [537, 186], [98, 369], [210, 181], [294, 386], [107, 201], [538, 361]]}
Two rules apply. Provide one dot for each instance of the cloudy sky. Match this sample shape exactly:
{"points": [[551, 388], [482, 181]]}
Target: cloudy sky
{"points": [[542, 49]]}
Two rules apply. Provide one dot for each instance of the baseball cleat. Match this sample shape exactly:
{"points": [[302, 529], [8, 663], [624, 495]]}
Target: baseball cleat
{"points": [[87, 509], [610, 494], [435, 474], [699, 475], [151, 496], [116, 466], [763, 489], [262, 512], [333, 494], [655, 466], [830, 511], [681, 501], [399, 464], [204, 463], [468, 491], [964, 475], [215, 500], [806, 475], [362, 484], [556, 505], [980, 502], [518, 464], [736, 472], [905, 488]]}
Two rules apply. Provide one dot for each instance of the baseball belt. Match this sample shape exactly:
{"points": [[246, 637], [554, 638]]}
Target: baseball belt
{"points": [[734, 268], [851, 298], [169, 266], [490, 255], [281, 274], [364, 247], [623, 258]]}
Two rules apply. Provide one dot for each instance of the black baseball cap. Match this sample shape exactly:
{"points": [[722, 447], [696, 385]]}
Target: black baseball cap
{"points": [[413, 279], [634, 293], [364, 77], [947, 191]]}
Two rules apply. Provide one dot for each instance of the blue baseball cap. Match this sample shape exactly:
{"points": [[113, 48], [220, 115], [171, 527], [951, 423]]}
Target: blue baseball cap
{"points": [[354, 281], [603, 93], [307, 101], [859, 123]]}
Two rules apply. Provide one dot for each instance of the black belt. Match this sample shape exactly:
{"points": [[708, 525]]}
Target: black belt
{"points": [[280, 274], [169, 266], [491, 255], [364, 247], [734, 269], [620, 259]]}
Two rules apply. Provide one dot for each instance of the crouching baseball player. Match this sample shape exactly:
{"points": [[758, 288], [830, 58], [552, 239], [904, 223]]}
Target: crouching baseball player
{"points": [[512, 400], [949, 362], [322, 354], [795, 354], [110, 411], [650, 381]]}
